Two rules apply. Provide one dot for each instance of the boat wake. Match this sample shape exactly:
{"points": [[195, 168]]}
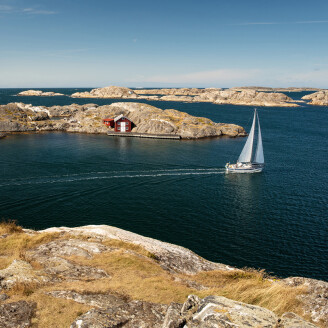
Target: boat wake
{"points": [[110, 175]]}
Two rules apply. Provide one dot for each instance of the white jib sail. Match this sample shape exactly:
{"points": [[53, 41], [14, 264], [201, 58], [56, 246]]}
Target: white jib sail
{"points": [[246, 154], [259, 156]]}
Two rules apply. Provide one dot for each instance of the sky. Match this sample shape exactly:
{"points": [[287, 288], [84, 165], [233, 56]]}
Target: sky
{"points": [[151, 43]]}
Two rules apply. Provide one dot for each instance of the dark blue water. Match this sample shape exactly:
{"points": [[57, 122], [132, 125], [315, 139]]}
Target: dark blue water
{"points": [[177, 191]]}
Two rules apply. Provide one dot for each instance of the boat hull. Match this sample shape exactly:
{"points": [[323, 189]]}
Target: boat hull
{"points": [[253, 168]]}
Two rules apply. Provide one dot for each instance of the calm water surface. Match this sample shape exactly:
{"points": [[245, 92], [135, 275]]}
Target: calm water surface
{"points": [[177, 191]]}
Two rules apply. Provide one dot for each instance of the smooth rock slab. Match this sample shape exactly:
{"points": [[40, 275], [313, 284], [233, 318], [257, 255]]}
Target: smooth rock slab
{"points": [[98, 300], [171, 257], [16, 314], [136, 314], [20, 272], [221, 312], [68, 248]]}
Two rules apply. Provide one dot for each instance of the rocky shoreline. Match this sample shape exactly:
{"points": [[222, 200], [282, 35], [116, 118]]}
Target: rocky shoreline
{"points": [[88, 118], [102, 276]]}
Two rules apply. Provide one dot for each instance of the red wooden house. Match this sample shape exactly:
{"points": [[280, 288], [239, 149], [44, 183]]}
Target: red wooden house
{"points": [[119, 123]]}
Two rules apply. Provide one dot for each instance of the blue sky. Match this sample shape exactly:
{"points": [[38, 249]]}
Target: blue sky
{"points": [[78, 43]]}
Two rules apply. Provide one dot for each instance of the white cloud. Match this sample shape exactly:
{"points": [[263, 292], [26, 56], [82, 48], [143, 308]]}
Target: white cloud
{"points": [[33, 11], [315, 78], [4, 9], [220, 76], [282, 23]]}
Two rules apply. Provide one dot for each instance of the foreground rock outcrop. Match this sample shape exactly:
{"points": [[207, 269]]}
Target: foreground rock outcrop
{"points": [[39, 93], [319, 98], [19, 117], [100, 276]]}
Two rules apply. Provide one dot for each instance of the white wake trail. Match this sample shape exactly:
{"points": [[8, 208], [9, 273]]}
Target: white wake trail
{"points": [[149, 174]]}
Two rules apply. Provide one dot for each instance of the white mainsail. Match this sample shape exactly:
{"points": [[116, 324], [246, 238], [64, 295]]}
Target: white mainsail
{"points": [[259, 156], [246, 154]]}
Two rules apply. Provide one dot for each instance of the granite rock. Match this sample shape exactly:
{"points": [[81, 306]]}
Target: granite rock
{"points": [[319, 98], [17, 314], [315, 300], [107, 92], [246, 97], [20, 272], [171, 257], [97, 300], [135, 314]]}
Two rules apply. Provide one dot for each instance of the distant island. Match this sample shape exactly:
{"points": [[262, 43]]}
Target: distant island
{"points": [[247, 96], [268, 89], [39, 93], [212, 95], [319, 98]]}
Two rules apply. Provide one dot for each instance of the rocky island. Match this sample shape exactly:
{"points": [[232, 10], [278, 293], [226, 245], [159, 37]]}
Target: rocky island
{"points": [[213, 95], [175, 91], [268, 89], [39, 93], [247, 97], [19, 117], [319, 98], [101, 276]]}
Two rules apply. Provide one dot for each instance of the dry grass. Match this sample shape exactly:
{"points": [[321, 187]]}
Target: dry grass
{"points": [[8, 226], [52, 312], [135, 274], [117, 243], [137, 277], [252, 287]]}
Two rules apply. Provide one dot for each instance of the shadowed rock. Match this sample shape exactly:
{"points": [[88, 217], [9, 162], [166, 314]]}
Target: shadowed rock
{"points": [[135, 314], [17, 314]]}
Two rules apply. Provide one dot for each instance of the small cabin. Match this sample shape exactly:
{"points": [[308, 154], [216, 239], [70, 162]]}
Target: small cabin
{"points": [[109, 122], [122, 124]]}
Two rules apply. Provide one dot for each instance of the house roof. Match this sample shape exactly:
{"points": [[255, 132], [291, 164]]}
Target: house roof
{"points": [[119, 117]]}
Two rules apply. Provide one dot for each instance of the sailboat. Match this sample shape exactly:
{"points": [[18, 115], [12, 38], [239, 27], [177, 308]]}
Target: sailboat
{"points": [[246, 163]]}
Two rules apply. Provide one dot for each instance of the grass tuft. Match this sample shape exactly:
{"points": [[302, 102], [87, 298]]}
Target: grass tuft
{"points": [[8, 226]]}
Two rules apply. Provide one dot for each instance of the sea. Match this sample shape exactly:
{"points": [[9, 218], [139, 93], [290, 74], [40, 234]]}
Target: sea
{"points": [[177, 191]]}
